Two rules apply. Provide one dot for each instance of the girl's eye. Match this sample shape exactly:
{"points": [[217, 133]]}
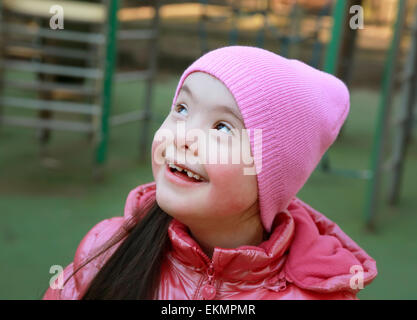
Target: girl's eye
{"points": [[223, 127], [181, 109]]}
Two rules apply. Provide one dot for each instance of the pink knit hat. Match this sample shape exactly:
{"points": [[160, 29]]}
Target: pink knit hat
{"points": [[299, 109]]}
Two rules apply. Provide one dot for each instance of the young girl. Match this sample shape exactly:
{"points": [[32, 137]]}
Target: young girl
{"points": [[231, 228]]}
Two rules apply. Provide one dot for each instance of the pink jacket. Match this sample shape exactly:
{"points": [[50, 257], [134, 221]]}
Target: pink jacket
{"points": [[307, 256]]}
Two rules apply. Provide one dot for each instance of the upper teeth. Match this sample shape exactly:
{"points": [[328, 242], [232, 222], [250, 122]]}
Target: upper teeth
{"points": [[189, 173]]}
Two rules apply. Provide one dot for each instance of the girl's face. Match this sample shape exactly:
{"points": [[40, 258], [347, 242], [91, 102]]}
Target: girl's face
{"points": [[205, 119]]}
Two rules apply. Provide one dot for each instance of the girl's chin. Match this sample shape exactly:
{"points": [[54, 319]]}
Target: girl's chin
{"points": [[175, 200], [180, 213]]}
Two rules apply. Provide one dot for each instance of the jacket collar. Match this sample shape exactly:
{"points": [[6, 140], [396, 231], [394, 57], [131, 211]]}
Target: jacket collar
{"points": [[322, 257], [250, 263]]}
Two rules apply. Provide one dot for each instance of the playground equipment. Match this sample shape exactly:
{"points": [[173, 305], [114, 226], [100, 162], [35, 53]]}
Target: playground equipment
{"points": [[69, 71], [287, 34], [404, 122]]}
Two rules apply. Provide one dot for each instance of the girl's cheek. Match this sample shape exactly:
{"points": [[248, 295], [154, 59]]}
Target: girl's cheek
{"points": [[230, 175], [158, 155], [230, 189], [222, 174], [155, 146], [162, 138]]}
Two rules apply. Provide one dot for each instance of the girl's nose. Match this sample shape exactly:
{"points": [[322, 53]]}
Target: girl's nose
{"points": [[185, 144]]}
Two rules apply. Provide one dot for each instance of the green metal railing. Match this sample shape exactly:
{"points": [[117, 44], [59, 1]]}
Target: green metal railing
{"points": [[110, 62], [381, 131], [374, 174], [377, 165], [85, 71]]}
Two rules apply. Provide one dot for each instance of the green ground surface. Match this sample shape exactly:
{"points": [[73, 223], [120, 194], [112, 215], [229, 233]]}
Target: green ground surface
{"points": [[45, 211]]}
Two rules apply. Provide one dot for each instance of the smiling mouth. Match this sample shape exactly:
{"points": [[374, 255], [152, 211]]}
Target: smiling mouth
{"points": [[183, 173]]}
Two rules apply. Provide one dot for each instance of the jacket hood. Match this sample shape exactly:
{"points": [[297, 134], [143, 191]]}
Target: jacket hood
{"points": [[322, 257], [303, 246]]}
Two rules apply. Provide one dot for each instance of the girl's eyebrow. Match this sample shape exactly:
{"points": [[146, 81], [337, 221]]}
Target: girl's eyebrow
{"points": [[229, 110], [185, 88]]}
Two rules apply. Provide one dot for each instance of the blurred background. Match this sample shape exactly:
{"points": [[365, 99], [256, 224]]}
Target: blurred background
{"points": [[85, 84]]}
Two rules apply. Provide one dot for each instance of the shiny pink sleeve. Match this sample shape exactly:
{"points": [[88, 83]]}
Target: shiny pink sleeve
{"points": [[75, 286], [69, 292], [343, 295]]}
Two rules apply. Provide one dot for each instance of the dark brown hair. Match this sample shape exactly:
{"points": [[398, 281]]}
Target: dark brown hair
{"points": [[133, 271]]}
